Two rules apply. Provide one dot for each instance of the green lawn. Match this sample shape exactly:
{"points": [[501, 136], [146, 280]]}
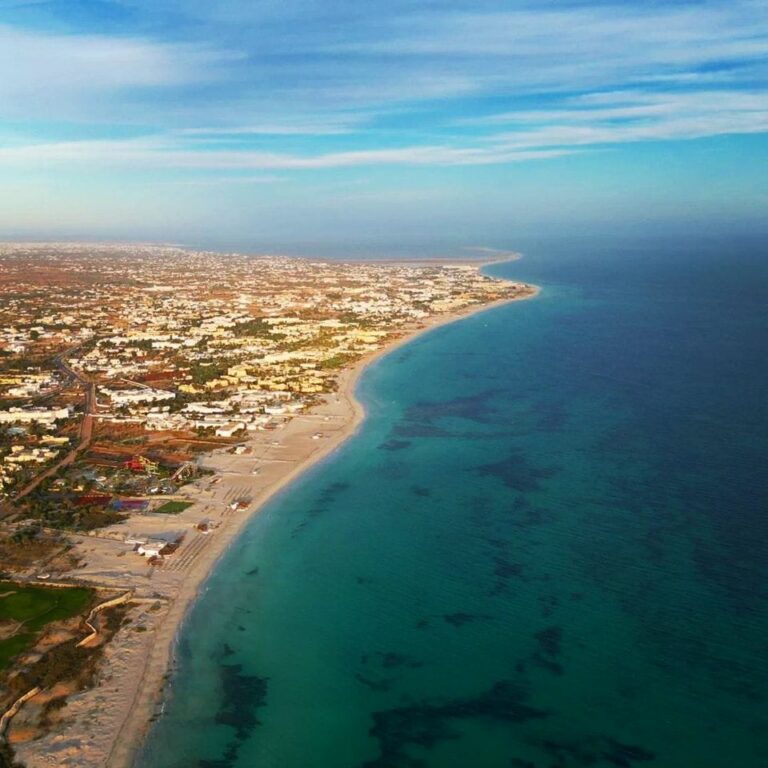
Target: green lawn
{"points": [[33, 607], [13, 646], [173, 507]]}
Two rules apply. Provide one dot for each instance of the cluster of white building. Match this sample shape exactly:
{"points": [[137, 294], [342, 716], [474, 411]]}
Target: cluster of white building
{"points": [[29, 384], [245, 411], [21, 455], [152, 545], [272, 344], [46, 416], [136, 396]]}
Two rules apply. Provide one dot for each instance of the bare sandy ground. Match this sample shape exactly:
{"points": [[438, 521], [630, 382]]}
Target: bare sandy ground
{"points": [[105, 726]]}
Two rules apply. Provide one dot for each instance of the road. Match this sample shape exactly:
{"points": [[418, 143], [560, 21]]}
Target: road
{"points": [[86, 424]]}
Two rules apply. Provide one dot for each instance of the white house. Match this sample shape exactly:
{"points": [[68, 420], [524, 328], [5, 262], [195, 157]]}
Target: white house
{"points": [[229, 429]]}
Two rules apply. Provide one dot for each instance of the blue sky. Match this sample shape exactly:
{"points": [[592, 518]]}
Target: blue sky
{"points": [[330, 122]]}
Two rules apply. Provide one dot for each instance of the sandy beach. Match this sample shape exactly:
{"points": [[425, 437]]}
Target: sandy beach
{"points": [[106, 725]]}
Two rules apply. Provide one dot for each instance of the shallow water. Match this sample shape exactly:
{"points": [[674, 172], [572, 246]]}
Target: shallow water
{"points": [[546, 547]]}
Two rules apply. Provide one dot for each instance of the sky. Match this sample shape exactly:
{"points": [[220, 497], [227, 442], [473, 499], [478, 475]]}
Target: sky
{"points": [[352, 123]]}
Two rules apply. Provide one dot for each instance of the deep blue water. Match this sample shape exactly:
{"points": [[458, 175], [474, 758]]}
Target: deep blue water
{"points": [[546, 547]]}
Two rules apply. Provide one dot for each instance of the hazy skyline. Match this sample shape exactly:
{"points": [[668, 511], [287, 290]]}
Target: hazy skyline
{"points": [[448, 122]]}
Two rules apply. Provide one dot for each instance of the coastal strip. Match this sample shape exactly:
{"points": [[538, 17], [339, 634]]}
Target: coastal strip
{"points": [[117, 714]]}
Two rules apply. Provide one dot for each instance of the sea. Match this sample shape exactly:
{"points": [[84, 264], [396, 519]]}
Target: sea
{"points": [[547, 546]]}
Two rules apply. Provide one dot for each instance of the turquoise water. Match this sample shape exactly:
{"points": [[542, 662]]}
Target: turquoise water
{"points": [[546, 547]]}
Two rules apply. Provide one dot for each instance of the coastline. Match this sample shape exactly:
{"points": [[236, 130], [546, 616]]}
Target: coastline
{"points": [[141, 677]]}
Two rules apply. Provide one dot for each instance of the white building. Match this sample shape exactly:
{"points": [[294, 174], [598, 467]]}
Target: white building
{"points": [[140, 395], [28, 415], [229, 429]]}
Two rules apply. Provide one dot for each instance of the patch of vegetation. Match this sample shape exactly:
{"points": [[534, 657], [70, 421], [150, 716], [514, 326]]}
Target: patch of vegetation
{"points": [[57, 509], [82, 519], [6, 757], [202, 373], [113, 618], [13, 646], [62, 663], [173, 507], [51, 707], [256, 327], [67, 662], [32, 608], [27, 547], [336, 362]]}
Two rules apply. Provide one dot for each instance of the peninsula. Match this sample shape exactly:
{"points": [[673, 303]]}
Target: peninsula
{"points": [[152, 399]]}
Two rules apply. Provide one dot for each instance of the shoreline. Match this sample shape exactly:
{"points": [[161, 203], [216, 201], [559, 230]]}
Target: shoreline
{"points": [[134, 704]]}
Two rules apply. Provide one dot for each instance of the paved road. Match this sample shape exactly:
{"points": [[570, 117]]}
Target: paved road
{"points": [[86, 425]]}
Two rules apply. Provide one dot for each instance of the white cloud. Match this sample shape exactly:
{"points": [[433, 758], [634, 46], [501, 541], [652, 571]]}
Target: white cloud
{"points": [[277, 61], [602, 37], [47, 75], [293, 125], [161, 153], [575, 125], [295, 78], [225, 181], [739, 107], [626, 116]]}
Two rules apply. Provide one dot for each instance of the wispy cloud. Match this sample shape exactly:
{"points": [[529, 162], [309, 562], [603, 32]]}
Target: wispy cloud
{"points": [[276, 64], [630, 116], [159, 153], [577, 124], [314, 84], [636, 105], [293, 125], [225, 181], [57, 76], [562, 50]]}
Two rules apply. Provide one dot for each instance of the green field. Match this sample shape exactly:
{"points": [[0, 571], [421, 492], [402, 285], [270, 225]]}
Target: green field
{"points": [[31, 608], [173, 507]]}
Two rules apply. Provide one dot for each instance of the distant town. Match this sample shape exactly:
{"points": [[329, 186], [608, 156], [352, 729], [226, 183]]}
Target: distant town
{"points": [[148, 395], [126, 351]]}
